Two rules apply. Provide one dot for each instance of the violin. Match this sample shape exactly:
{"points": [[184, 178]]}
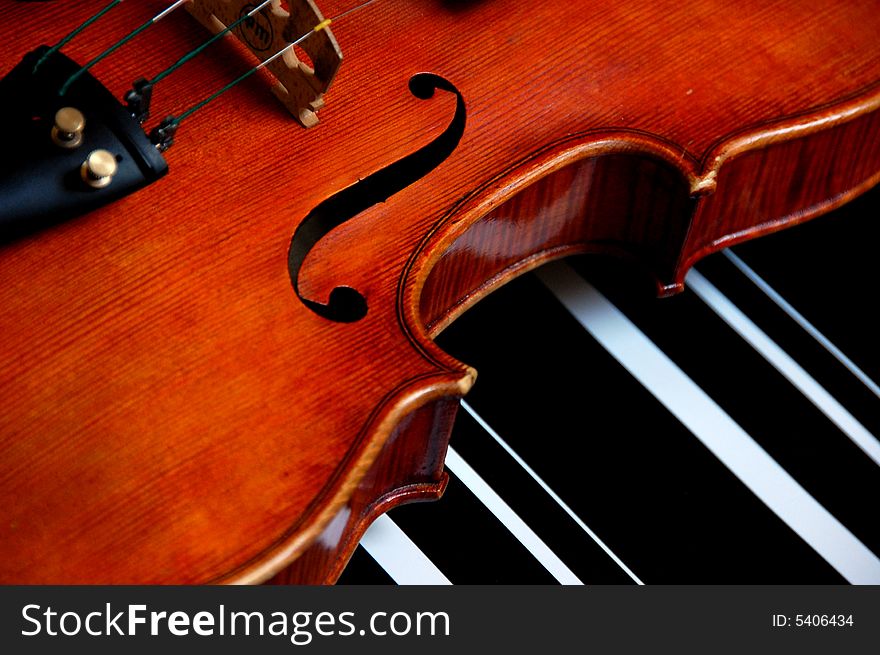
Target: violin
{"points": [[218, 309]]}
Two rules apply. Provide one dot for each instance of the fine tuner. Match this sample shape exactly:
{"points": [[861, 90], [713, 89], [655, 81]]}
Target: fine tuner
{"points": [[68, 129], [74, 147], [100, 166]]}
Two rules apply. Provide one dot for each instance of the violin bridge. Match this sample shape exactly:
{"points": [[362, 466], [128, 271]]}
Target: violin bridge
{"points": [[300, 86]]}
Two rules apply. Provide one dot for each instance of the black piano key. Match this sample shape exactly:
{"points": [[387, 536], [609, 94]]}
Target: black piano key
{"points": [[827, 268], [466, 542], [555, 527], [827, 370], [628, 468], [363, 570], [778, 416]]}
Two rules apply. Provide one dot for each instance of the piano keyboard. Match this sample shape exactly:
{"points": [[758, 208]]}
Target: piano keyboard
{"points": [[728, 435]]}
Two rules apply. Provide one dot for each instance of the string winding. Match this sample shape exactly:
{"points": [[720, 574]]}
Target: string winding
{"points": [[163, 135], [67, 39], [113, 48], [172, 122], [192, 54]]}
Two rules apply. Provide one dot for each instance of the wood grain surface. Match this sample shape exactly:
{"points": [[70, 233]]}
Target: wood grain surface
{"points": [[170, 411]]}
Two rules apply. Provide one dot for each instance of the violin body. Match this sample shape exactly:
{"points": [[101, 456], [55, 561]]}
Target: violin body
{"points": [[174, 406]]}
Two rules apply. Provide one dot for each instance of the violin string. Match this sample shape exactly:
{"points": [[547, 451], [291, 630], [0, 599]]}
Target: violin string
{"points": [[155, 19], [67, 39], [197, 51], [189, 112], [317, 28]]}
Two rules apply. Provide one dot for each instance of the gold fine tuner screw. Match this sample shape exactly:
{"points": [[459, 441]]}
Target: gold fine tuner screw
{"points": [[68, 129], [98, 169]]}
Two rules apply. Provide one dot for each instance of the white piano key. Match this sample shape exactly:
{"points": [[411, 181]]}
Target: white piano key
{"points": [[510, 519], [801, 320], [399, 556], [785, 364], [713, 427], [556, 498]]}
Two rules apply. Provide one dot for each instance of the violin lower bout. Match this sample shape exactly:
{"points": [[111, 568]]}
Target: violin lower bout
{"points": [[408, 469]]}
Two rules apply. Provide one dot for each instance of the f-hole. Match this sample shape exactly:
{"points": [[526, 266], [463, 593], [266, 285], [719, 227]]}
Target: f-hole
{"points": [[345, 304]]}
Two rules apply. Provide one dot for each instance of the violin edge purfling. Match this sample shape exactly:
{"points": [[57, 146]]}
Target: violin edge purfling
{"points": [[172, 409]]}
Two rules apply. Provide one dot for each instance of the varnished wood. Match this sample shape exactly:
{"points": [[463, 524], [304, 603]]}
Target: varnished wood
{"points": [[171, 412]]}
